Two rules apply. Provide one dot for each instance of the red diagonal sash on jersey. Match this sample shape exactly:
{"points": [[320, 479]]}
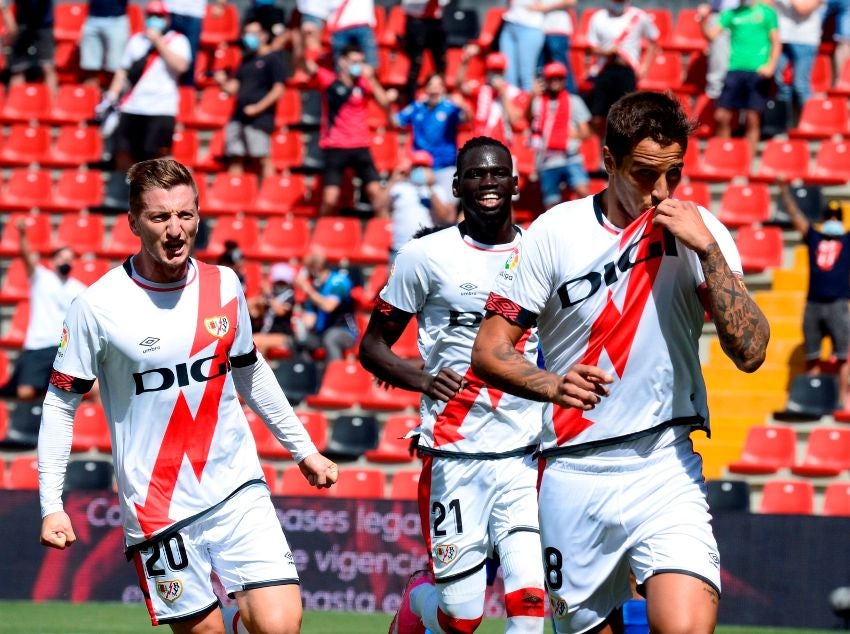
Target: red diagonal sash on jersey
{"points": [[188, 435], [447, 425], [614, 330]]}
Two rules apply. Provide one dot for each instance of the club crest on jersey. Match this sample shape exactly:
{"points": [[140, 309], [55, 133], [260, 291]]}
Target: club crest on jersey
{"points": [[446, 553], [559, 607], [217, 326], [169, 589]]}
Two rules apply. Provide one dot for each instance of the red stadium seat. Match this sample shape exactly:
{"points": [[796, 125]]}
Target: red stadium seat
{"points": [[842, 82], [744, 204], [760, 248], [187, 100], [663, 19], [38, 233], [73, 103], [68, 18], [786, 158], [787, 497], [832, 163], [344, 383], [390, 399], [339, 237], [360, 484], [695, 191], [231, 193], [377, 240], [23, 473], [665, 73], [365, 296], [288, 109], [74, 146], [827, 453], [121, 241], [24, 145], [723, 159], [393, 68], [76, 190], [490, 27], [836, 499], [82, 231], [385, 151], [821, 78], [687, 34], [184, 147], [89, 271], [316, 424], [271, 475], [241, 229], [213, 109], [26, 189], [17, 330], [704, 115], [393, 32], [281, 195], [525, 157], [282, 239], [220, 25], [15, 285], [91, 431], [767, 449], [25, 103], [393, 446], [405, 485], [294, 484], [287, 149], [66, 58], [223, 58], [210, 159], [821, 118], [268, 447]]}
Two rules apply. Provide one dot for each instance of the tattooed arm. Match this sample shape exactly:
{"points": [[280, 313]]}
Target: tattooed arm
{"points": [[496, 361]]}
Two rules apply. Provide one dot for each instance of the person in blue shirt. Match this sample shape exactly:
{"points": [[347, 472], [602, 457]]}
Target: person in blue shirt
{"points": [[434, 120]]}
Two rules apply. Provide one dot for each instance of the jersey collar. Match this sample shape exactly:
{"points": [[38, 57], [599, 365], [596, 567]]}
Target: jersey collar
{"points": [[166, 287]]}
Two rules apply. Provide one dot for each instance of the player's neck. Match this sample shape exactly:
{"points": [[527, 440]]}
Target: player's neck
{"points": [[502, 233]]}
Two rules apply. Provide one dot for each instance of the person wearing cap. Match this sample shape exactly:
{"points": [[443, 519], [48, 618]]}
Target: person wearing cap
{"points": [[271, 311], [826, 313], [30, 29], [146, 84], [499, 105], [559, 123], [414, 201]]}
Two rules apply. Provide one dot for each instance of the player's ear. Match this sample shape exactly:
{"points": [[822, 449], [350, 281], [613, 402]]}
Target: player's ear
{"points": [[131, 218], [455, 187], [608, 160], [516, 186]]}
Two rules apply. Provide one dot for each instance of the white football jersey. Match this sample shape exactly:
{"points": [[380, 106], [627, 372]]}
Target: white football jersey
{"points": [[623, 300], [162, 354], [444, 279]]}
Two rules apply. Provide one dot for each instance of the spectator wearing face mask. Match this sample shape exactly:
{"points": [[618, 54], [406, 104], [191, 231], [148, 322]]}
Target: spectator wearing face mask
{"points": [[271, 311], [826, 313], [51, 291], [273, 20]]}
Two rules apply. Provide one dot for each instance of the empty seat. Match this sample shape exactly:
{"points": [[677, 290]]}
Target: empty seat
{"points": [[121, 241], [343, 384], [405, 485], [26, 102], [787, 497], [351, 436], [76, 190], [760, 248], [687, 35], [280, 195], [842, 82], [26, 189], [220, 25], [73, 103], [184, 147], [294, 484], [836, 499], [723, 159], [809, 398], [243, 230], [89, 271], [25, 145], [728, 495], [288, 109], [212, 110], [744, 204], [665, 73], [490, 27], [68, 18], [75, 146], [82, 231], [268, 447], [388, 399], [377, 240], [24, 422], [287, 149], [827, 453], [271, 476], [316, 424], [37, 231], [23, 473], [832, 163], [89, 475], [15, 285], [17, 331], [695, 191], [298, 378], [360, 484], [338, 237], [788, 158], [821, 118], [393, 446], [91, 431], [821, 74], [283, 239], [231, 193], [767, 449]]}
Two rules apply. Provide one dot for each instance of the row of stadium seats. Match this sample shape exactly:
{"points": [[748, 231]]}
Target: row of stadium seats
{"points": [[780, 496]]}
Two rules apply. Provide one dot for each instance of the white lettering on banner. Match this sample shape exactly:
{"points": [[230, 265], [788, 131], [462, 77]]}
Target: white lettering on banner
{"points": [[102, 512], [347, 564], [391, 526], [348, 600], [312, 521]]}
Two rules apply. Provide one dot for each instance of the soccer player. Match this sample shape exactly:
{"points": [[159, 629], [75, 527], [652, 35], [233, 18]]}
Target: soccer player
{"points": [[477, 490], [619, 281], [169, 339]]}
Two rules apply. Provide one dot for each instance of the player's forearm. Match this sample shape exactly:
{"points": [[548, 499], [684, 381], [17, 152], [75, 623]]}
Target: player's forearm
{"points": [[741, 326], [502, 366], [54, 446], [377, 357]]}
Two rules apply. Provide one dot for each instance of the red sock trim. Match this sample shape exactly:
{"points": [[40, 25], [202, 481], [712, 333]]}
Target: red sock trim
{"points": [[525, 602], [452, 625]]}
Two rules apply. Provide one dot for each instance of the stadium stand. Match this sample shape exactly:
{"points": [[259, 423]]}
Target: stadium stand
{"points": [[787, 497], [360, 483], [827, 453], [767, 449], [351, 437], [728, 495], [89, 475], [404, 485], [809, 398]]}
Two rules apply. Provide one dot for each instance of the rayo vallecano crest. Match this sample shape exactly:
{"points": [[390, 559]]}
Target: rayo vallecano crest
{"points": [[445, 552], [169, 589], [217, 326], [559, 607]]}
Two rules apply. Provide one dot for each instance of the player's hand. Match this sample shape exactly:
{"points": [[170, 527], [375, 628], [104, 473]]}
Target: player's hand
{"points": [[319, 471], [683, 220], [443, 385], [582, 387], [56, 531]]}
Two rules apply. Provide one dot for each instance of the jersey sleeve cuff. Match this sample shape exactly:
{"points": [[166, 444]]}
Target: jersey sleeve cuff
{"points": [[510, 310], [390, 312], [68, 383], [47, 509]]}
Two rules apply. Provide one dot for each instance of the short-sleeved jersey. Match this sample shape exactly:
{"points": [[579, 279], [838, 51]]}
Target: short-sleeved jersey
{"points": [[829, 266], [162, 354], [623, 300], [444, 279]]}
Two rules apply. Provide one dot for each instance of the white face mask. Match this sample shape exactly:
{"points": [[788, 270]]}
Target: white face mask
{"points": [[615, 8], [832, 227]]}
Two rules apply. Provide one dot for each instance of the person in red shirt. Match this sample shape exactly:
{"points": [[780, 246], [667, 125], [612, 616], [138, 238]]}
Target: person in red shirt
{"points": [[344, 134]]}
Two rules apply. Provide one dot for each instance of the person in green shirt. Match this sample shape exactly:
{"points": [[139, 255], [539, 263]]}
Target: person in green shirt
{"points": [[754, 52]]}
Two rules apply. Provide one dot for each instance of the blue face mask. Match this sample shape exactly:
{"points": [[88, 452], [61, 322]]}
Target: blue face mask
{"points": [[832, 227], [263, 3], [250, 41], [418, 176], [155, 22], [355, 69]]}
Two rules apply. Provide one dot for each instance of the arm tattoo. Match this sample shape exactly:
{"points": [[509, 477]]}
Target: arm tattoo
{"points": [[519, 376], [741, 326]]}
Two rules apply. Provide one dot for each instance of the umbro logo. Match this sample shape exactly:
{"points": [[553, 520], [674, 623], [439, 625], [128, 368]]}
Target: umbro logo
{"points": [[149, 341], [468, 287]]}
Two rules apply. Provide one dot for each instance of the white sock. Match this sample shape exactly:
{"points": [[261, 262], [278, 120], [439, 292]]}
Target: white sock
{"points": [[423, 602]]}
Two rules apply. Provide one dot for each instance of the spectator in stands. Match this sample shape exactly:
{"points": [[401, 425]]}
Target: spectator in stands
{"points": [[434, 121], [352, 24], [521, 41], [233, 258], [718, 48], [328, 313], [800, 34], [29, 30], [258, 85], [105, 34], [841, 10], [51, 291], [344, 135], [187, 17], [423, 30], [273, 19], [559, 123], [615, 34], [826, 312], [754, 53], [312, 15], [271, 311], [415, 201], [146, 84], [557, 27], [499, 106]]}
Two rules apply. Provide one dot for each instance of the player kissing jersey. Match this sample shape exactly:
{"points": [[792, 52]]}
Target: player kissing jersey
{"points": [[597, 293], [163, 354], [445, 278]]}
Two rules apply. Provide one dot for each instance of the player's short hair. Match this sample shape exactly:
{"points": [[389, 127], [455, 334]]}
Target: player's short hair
{"points": [[477, 142], [644, 114], [163, 173], [349, 49]]}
